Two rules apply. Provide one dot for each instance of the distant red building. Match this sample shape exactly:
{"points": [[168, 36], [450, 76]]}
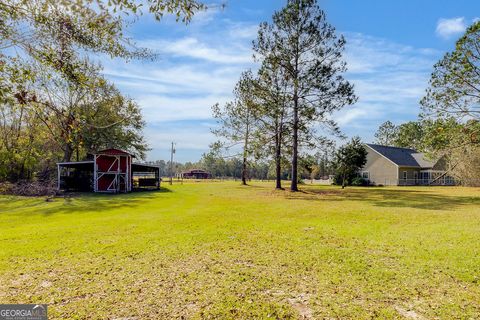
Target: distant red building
{"points": [[111, 170], [196, 174]]}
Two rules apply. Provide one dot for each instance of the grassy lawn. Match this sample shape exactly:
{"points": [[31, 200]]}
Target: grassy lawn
{"points": [[219, 250]]}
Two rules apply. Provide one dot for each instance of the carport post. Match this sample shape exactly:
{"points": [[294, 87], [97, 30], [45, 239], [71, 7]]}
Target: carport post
{"points": [[58, 177]]}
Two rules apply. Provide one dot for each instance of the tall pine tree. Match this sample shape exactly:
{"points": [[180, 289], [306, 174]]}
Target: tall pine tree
{"points": [[305, 46], [236, 120]]}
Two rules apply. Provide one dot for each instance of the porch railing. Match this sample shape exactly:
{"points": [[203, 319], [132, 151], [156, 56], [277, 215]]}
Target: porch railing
{"points": [[444, 181]]}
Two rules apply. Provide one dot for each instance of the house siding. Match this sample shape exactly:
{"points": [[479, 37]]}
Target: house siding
{"points": [[410, 175], [381, 170]]}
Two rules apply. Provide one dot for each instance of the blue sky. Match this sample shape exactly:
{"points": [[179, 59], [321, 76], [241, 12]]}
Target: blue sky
{"points": [[391, 48]]}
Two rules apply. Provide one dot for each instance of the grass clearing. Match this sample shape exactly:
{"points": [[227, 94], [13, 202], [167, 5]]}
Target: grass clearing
{"points": [[220, 250]]}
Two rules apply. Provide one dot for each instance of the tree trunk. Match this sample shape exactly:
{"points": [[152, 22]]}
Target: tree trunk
{"points": [[294, 185], [245, 155], [278, 157], [244, 171], [278, 168], [343, 180], [67, 152]]}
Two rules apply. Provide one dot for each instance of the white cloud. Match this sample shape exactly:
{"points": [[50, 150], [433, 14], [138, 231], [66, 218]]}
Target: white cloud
{"points": [[447, 28], [193, 48], [160, 108], [245, 31], [199, 19], [185, 91], [205, 16], [349, 115], [183, 79], [367, 54]]}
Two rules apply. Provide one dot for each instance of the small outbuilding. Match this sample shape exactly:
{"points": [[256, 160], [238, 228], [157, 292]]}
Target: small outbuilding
{"points": [[110, 171], [196, 174]]}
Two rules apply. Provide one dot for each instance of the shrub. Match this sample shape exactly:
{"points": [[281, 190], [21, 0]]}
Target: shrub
{"points": [[351, 180], [338, 178], [359, 181]]}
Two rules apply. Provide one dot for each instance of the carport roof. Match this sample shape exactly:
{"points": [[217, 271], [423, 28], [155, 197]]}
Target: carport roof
{"points": [[76, 164]]}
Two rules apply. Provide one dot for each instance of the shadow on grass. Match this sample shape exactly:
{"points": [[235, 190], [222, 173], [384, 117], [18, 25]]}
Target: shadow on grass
{"points": [[75, 203], [417, 199], [248, 185], [161, 190]]}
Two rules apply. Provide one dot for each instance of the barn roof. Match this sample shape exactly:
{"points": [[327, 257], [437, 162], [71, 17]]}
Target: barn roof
{"points": [[196, 171], [114, 151], [403, 157]]}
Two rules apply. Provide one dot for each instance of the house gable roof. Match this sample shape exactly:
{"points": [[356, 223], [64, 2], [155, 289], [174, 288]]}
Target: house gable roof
{"points": [[402, 157], [422, 161]]}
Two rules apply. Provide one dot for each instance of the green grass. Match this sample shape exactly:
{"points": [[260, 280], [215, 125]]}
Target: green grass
{"points": [[220, 250]]}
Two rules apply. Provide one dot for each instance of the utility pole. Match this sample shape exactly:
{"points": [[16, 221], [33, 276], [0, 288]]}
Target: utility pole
{"points": [[172, 151]]}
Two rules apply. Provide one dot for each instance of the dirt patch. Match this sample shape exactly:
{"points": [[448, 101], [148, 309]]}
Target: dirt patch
{"points": [[300, 304], [409, 314]]}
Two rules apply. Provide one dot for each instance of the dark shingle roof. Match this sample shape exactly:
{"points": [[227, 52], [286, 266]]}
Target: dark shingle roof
{"points": [[402, 156]]}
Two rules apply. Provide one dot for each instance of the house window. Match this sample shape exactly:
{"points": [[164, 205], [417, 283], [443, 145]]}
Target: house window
{"points": [[404, 175], [449, 180], [365, 175]]}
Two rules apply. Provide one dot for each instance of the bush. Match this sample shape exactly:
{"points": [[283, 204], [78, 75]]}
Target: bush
{"points": [[338, 178], [359, 181], [351, 180]]}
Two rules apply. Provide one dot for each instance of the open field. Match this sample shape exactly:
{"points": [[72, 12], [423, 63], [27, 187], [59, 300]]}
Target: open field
{"points": [[219, 250]]}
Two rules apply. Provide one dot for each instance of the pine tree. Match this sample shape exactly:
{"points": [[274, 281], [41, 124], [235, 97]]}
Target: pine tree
{"points": [[236, 120], [305, 46]]}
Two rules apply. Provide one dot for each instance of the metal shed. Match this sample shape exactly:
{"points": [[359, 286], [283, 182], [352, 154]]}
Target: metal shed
{"points": [[110, 171]]}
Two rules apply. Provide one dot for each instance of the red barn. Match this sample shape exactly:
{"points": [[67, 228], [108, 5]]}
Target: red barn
{"points": [[196, 174], [110, 170]]}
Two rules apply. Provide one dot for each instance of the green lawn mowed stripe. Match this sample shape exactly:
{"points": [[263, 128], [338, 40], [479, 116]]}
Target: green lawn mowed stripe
{"points": [[221, 250]]}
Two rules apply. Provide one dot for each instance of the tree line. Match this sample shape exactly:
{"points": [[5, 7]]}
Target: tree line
{"points": [[55, 104], [317, 166]]}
